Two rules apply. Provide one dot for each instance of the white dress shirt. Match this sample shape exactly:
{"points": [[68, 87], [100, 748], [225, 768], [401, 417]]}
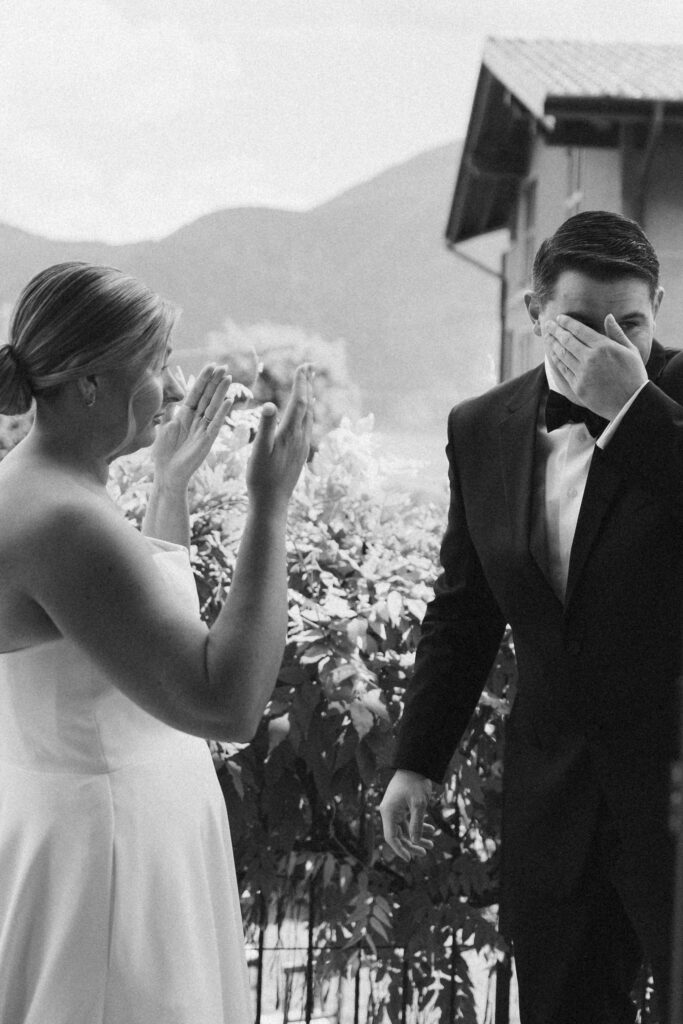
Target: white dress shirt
{"points": [[562, 459]]}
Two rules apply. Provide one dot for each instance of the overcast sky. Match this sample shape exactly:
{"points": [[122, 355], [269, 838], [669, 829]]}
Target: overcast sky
{"points": [[123, 119]]}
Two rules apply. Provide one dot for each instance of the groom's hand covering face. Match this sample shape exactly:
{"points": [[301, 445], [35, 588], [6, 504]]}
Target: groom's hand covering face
{"points": [[597, 336]]}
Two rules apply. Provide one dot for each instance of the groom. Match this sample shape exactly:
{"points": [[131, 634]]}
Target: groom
{"points": [[565, 521]]}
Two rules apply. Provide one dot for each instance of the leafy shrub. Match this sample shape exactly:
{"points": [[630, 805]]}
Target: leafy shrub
{"points": [[303, 796]]}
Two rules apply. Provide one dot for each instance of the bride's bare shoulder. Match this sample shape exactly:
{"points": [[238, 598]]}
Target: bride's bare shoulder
{"points": [[50, 524], [37, 503]]}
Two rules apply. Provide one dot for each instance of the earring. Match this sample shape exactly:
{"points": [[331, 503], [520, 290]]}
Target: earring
{"points": [[89, 400]]}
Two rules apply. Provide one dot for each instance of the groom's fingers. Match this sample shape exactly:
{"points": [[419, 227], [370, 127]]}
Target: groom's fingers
{"points": [[417, 817], [615, 333], [394, 837], [400, 837], [393, 814]]}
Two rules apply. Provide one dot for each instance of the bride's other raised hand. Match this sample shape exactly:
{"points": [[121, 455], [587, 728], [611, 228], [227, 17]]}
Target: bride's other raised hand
{"points": [[184, 441], [280, 449]]}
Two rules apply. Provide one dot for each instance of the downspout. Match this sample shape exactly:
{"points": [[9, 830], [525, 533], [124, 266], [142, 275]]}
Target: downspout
{"points": [[653, 136], [500, 275]]}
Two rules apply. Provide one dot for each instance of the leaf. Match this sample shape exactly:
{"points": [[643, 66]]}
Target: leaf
{"points": [[314, 653], [342, 672], [278, 730], [372, 699], [356, 629], [394, 607], [363, 719], [378, 927], [416, 607]]}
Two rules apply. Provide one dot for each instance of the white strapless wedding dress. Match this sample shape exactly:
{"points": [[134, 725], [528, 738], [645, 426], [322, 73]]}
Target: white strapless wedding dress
{"points": [[118, 898]]}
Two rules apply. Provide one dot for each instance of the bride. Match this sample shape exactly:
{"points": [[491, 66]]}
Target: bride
{"points": [[118, 902]]}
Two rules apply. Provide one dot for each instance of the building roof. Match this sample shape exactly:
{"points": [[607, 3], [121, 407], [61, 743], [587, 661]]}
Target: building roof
{"points": [[537, 71], [574, 93]]}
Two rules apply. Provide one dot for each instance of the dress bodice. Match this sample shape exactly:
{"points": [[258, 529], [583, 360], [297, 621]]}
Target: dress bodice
{"points": [[119, 901], [59, 712]]}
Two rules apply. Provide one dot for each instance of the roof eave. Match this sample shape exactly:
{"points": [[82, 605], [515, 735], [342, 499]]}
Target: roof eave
{"points": [[489, 172]]}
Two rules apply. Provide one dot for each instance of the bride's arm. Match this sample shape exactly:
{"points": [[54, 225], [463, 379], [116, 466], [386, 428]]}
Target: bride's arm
{"points": [[168, 516], [181, 446], [98, 582]]}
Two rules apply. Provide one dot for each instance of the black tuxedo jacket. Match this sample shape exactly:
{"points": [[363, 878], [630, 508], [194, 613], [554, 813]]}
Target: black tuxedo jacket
{"points": [[595, 716]]}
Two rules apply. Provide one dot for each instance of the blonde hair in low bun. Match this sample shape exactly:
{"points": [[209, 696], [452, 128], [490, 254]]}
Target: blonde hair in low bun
{"points": [[76, 319], [16, 393]]}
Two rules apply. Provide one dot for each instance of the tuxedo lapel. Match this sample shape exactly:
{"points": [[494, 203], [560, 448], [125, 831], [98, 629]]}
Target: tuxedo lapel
{"points": [[517, 442], [602, 486]]}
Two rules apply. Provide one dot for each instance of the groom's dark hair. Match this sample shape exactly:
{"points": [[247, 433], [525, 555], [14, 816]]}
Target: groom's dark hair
{"points": [[603, 245]]}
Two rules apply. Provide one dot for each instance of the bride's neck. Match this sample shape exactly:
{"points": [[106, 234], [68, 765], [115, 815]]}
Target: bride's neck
{"points": [[71, 451]]}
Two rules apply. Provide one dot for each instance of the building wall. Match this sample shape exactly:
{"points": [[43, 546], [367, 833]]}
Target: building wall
{"points": [[663, 224]]}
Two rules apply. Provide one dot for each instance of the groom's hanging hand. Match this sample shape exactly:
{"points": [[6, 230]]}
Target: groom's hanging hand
{"points": [[602, 370], [403, 809]]}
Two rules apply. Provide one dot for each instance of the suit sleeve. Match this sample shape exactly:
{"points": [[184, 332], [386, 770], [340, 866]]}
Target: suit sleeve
{"points": [[647, 446], [461, 634]]}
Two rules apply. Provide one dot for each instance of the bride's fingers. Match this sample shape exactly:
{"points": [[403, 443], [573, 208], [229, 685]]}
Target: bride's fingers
{"points": [[221, 387], [215, 381], [265, 435], [301, 399], [194, 394], [218, 419]]}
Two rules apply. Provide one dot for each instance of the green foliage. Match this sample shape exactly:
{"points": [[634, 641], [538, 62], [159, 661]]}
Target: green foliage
{"points": [[12, 430], [302, 798]]}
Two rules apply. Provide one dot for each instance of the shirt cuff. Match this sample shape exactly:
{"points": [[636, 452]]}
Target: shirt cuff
{"points": [[609, 430]]}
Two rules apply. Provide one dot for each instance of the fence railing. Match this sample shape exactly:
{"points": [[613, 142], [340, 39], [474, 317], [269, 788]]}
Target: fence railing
{"points": [[287, 989]]}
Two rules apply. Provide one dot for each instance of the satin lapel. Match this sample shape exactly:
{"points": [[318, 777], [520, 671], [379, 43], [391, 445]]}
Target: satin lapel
{"points": [[656, 361], [601, 488], [517, 441]]}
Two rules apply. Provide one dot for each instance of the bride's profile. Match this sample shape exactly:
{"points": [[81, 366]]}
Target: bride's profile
{"points": [[118, 902]]}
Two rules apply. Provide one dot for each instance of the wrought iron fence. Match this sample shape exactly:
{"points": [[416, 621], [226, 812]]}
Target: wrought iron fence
{"points": [[287, 987]]}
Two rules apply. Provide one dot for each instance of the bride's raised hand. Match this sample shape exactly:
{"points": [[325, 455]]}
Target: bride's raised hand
{"points": [[184, 441], [280, 450]]}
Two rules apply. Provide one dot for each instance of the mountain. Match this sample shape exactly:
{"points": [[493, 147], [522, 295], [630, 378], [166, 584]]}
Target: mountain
{"points": [[369, 266]]}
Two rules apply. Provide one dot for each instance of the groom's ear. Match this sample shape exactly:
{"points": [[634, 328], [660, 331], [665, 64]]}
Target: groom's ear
{"points": [[534, 310]]}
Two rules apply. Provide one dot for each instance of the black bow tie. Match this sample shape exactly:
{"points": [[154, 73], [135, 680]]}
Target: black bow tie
{"points": [[559, 410]]}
